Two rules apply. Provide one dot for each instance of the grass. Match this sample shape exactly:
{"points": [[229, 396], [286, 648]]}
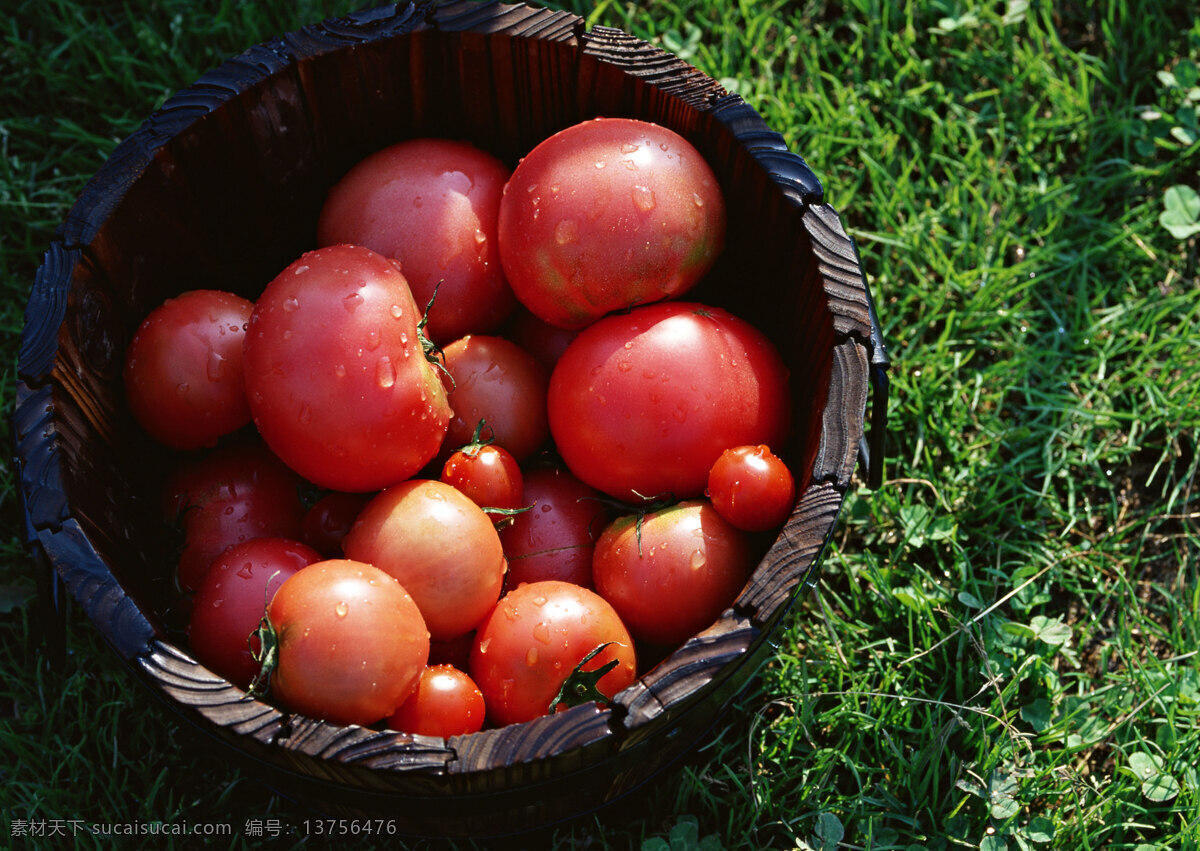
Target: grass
{"points": [[1001, 650]]}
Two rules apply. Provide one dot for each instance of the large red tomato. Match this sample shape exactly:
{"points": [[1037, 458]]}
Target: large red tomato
{"points": [[232, 599], [351, 643], [336, 373], [554, 538], [431, 204], [495, 380], [535, 638], [606, 214], [225, 497], [642, 404], [441, 547], [672, 572], [183, 369]]}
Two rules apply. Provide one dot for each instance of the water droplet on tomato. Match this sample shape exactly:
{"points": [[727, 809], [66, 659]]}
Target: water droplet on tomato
{"points": [[663, 145], [305, 414], [566, 232], [531, 656], [340, 370], [418, 201], [601, 164], [216, 366], [373, 339], [697, 200], [540, 600], [291, 304], [397, 311], [699, 559], [216, 603], [300, 270], [484, 645], [480, 237], [352, 301], [643, 198], [628, 148], [247, 571], [182, 387], [624, 366], [541, 631], [341, 609], [385, 373]]}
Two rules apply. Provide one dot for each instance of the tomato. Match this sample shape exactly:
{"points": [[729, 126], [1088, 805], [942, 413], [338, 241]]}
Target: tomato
{"points": [[555, 537], [227, 496], [336, 373], [606, 214], [432, 205], [673, 576], [329, 519], [439, 545], [446, 703], [534, 639], [642, 404], [183, 369], [232, 599], [535, 335], [497, 381], [489, 475], [350, 642], [752, 488]]}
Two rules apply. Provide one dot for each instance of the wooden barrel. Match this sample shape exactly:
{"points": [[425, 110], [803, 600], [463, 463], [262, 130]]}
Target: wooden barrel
{"points": [[221, 188]]}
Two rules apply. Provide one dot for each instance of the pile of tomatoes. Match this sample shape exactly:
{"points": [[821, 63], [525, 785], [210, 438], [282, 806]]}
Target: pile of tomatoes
{"points": [[471, 456]]}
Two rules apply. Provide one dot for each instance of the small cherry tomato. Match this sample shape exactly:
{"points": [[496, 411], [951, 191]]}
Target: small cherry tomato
{"points": [[446, 702], [670, 573], [350, 643], [489, 475], [232, 600], [535, 638], [752, 488], [183, 369]]}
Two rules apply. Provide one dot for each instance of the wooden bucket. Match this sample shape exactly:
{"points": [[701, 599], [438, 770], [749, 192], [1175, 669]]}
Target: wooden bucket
{"points": [[221, 187]]}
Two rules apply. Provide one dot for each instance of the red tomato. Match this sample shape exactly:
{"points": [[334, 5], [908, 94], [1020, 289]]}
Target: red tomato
{"points": [[232, 599], [336, 374], [329, 519], [489, 475], [227, 496], [446, 703], [752, 488], [183, 369], [642, 404], [432, 205], [675, 577], [607, 214], [555, 537], [497, 381], [534, 639], [439, 545], [351, 642], [535, 335]]}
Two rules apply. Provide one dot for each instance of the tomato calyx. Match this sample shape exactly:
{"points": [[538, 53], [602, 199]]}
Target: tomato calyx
{"points": [[583, 686], [433, 352], [266, 655], [478, 441], [648, 505]]}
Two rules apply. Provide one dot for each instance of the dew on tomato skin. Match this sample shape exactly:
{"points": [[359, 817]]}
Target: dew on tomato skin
{"points": [[182, 388], [217, 601], [540, 600], [300, 270], [341, 609], [541, 631], [291, 304], [397, 311], [373, 339], [484, 645], [624, 366], [664, 146], [352, 301], [480, 237], [216, 366], [385, 373], [418, 201], [531, 656], [247, 571], [629, 164], [566, 232], [340, 370]]}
